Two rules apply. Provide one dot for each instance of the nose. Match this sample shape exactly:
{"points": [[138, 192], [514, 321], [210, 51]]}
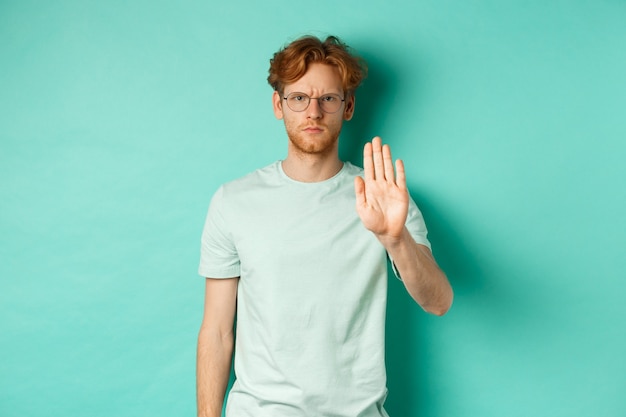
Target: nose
{"points": [[314, 111]]}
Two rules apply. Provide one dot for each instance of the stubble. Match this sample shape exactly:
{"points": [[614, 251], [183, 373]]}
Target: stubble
{"points": [[313, 144]]}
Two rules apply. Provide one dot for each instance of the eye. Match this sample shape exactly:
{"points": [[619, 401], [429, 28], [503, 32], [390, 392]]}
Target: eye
{"points": [[329, 99], [298, 97]]}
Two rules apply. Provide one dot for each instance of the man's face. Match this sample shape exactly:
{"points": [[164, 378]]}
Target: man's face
{"points": [[313, 131]]}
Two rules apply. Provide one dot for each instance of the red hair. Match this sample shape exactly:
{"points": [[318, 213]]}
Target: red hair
{"points": [[291, 62]]}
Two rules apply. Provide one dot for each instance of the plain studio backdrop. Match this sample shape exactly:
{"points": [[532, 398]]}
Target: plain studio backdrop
{"points": [[118, 121]]}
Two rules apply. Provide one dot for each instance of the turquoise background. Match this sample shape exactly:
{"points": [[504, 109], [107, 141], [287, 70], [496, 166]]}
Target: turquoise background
{"points": [[118, 120]]}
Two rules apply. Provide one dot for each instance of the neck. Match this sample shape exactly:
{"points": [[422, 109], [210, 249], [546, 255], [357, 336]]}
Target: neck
{"points": [[311, 167]]}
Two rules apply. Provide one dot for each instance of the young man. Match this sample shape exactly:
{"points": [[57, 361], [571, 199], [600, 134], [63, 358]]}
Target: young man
{"points": [[298, 251]]}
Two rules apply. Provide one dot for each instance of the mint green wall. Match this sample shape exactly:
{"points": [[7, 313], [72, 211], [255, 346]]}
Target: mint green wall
{"points": [[118, 120]]}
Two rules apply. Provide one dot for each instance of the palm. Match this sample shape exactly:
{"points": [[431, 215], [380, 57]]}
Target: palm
{"points": [[382, 196]]}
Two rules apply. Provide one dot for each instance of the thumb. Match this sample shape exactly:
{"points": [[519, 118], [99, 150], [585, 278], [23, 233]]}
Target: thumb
{"points": [[359, 190]]}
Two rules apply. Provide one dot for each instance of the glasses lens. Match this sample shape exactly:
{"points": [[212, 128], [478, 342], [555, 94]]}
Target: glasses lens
{"points": [[330, 103], [298, 101]]}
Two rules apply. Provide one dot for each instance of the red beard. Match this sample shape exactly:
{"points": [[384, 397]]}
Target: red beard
{"points": [[314, 143]]}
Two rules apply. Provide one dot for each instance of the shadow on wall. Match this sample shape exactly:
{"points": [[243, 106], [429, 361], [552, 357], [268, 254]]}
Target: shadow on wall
{"points": [[410, 351], [407, 339], [370, 111]]}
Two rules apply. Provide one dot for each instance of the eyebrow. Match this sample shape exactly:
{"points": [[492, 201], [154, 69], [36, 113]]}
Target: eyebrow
{"points": [[339, 93]]}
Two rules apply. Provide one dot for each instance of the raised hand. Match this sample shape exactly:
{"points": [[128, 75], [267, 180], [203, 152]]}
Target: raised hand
{"points": [[382, 198]]}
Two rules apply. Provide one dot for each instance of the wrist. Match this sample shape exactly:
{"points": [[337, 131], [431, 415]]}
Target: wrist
{"points": [[393, 242]]}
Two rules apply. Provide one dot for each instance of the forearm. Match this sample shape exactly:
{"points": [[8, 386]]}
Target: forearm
{"points": [[422, 277], [213, 364]]}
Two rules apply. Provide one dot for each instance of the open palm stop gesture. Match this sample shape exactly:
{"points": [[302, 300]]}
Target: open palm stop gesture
{"points": [[382, 198]]}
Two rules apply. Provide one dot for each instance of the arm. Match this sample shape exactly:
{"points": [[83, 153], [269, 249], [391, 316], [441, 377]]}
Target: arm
{"points": [[422, 277], [383, 204], [215, 345]]}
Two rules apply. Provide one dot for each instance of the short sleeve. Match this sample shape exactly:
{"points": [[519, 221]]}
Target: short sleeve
{"points": [[417, 228], [218, 254], [416, 225]]}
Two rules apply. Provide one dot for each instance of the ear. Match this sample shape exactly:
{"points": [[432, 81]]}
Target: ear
{"points": [[348, 111], [277, 103]]}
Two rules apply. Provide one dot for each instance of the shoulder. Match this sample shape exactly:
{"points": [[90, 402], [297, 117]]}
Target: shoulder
{"points": [[250, 184], [261, 177], [352, 170]]}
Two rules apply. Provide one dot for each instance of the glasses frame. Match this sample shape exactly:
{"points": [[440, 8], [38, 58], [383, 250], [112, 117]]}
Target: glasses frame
{"points": [[342, 100]]}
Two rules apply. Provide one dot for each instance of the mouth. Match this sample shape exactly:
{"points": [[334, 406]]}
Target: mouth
{"points": [[313, 129]]}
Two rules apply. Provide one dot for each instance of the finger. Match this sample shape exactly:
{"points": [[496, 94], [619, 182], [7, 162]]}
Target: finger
{"points": [[388, 163], [400, 174], [379, 167], [359, 190], [368, 163]]}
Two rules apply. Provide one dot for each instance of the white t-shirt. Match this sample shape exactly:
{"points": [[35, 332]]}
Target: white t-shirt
{"points": [[311, 298]]}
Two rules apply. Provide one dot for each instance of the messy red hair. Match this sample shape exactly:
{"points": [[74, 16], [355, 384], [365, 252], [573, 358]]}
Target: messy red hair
{"points": [[291, 62]]}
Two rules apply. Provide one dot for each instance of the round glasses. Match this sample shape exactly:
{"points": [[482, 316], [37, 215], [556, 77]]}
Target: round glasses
{"points": [[329, 103]]}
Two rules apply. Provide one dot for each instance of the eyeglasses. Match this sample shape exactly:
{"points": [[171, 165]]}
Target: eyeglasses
{"points": [[329, 103]]}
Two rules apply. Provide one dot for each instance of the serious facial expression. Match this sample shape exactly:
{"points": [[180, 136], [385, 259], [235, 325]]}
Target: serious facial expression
{"points": [[313, 131]]}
